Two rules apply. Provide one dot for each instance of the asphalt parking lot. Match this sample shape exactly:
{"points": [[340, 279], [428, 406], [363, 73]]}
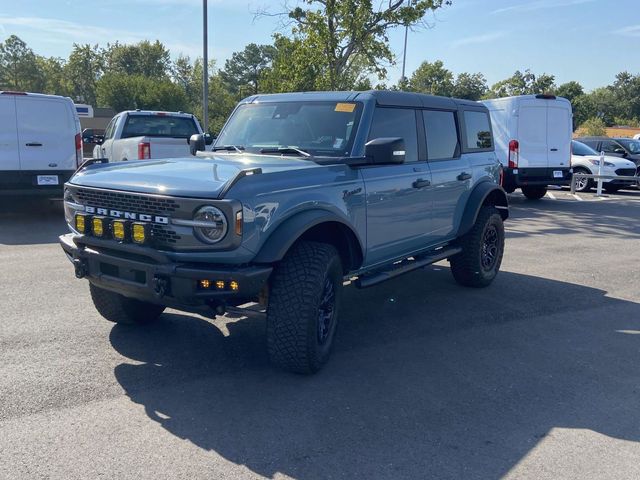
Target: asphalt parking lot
{"points": [[535, 377]]}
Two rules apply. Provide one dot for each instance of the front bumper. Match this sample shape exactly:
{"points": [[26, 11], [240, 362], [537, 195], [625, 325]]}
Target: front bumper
{"points": [[149, 275]]}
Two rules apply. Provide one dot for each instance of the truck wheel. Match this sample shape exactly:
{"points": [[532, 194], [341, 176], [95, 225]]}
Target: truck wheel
{"points": [[304, 301], [583, 184], [534, 193], [482, 248], [119, 309]]}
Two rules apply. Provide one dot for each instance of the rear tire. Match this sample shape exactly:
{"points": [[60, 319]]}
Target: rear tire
{"points": [[304, 302], [482, 249], [534, 193], [120, 309]]}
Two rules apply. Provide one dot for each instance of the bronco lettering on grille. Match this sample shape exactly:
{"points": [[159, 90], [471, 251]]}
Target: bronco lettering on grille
{"points": [[127, 215]]}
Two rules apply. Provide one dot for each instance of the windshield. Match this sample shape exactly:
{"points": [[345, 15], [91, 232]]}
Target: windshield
{"points": [[632, 145], [580, 148], [318, 128], [159, 126]]}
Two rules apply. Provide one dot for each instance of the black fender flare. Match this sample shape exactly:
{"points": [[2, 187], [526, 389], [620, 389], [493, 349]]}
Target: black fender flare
{"points": [[291, 229], [484, 193]]}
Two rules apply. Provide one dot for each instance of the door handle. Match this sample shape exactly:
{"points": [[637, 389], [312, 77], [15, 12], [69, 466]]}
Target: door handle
{"points": [[464, 176], [33, 144], [554, 149], [421, 183]]}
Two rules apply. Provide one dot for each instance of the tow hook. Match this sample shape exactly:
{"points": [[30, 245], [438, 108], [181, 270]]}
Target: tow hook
{"points": [[160, 286], [80, 268]]}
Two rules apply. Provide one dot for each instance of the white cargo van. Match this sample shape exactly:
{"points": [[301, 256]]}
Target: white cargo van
{"points": [[40, 143], [533, 141]]}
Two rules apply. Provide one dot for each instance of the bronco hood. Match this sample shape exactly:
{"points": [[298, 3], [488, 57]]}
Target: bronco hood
{"points": [[203, 177]]}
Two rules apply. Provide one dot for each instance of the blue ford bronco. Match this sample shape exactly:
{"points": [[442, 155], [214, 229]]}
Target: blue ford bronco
{"points": [[300, 193]]}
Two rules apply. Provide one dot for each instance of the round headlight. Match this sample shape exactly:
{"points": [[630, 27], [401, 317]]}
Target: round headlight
{"points": [[210, 224]]}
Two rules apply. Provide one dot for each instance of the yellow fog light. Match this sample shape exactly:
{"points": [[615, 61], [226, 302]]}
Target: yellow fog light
{"points": [[138, 232], [220, 285], [80, 223], [97, 226], [234, 285], [117, 229], [205, 283]]}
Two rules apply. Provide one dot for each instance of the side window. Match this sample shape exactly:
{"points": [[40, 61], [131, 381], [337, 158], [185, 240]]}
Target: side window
{"points": [[397, 122], [608, 146], [478, 130], [442, 135]]}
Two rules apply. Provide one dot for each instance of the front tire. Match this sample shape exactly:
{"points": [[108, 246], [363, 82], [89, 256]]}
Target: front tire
{"points": [[482, 249], [583, 184], [534, 193], [304, 301], [120, 309]]}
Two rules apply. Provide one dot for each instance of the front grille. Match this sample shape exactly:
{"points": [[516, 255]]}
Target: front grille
{"points": [[626, 172], [128, 202], [161, 235]]}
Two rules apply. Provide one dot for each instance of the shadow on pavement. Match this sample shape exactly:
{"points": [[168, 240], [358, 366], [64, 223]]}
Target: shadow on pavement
{"points": [[428, 380], [30, 221]]}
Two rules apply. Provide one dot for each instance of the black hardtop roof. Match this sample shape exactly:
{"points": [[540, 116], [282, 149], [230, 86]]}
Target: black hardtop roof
{"points": [[381, 97]]}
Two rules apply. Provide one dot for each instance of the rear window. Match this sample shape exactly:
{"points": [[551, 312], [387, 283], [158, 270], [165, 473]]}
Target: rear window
{"points": [[442, 135], [159, 126], [478, 130]]}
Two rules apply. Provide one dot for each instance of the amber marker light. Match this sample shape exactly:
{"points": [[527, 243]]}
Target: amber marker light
{"points": [[97, 226], [220, 285], [117, 229], [234, 285], [238, 228], [138, 232], [205, 283], [80, 223]]}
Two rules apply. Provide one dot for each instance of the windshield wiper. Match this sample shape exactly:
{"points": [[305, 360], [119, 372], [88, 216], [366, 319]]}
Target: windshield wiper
{"points": [[302, 153], [228, 148]]}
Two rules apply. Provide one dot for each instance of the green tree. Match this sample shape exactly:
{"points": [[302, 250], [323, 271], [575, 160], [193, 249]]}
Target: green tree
{"points": [[295, 68], [626, 89], [520, 83], [83, 70], [471, 86], [53, 76], [124, 92], [243, 70], [570, 91], [346, 40], [143, 58], [432, 78], [593, 127], [19, 67]]}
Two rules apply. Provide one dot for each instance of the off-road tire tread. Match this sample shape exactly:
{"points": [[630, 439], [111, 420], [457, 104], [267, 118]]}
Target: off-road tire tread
{"points": [[296, 285], [119, 309], [465, 266]]}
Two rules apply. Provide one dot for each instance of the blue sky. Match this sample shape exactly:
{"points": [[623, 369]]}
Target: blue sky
{"points": [[584, 40]]}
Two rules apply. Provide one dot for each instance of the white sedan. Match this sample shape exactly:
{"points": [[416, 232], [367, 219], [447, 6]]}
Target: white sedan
{"points": [[585, 159]]}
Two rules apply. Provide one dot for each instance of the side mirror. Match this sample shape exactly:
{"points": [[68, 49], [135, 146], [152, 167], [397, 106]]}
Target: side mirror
{"points": [[98, 139], [208, 139], [197, 143], [619, 151], [385, 150]]}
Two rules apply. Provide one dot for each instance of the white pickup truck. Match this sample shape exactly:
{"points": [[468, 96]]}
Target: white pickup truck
{"points": [[145, 134]]}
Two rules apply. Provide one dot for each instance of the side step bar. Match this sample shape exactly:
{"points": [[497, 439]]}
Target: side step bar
{"points": [[406, 266]]}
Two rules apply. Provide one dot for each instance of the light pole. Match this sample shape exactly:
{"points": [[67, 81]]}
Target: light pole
{"points": [[403, 79], [205, 70]]}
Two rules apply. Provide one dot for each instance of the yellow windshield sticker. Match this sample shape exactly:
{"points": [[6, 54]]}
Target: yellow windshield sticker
{"points": [[345, 107]]}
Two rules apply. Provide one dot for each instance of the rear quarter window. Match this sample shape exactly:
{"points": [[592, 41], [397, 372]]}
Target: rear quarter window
{"points": [[442, 135], [477, 131]]}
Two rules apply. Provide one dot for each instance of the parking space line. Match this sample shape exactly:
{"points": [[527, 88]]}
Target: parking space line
{"points": [[577, 197], [551, 196]]}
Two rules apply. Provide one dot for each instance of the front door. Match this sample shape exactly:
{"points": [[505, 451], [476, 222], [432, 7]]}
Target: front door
{"points": [[398, 196]]}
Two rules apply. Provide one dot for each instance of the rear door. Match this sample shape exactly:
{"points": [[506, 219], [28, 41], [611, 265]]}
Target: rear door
{"points": [[9, 152], [532, 134], [46, 134], [559, 132]]}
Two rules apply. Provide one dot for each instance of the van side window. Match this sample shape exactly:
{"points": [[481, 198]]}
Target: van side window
{"points": [[397, 122], [442, 135], [478, 130]]}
